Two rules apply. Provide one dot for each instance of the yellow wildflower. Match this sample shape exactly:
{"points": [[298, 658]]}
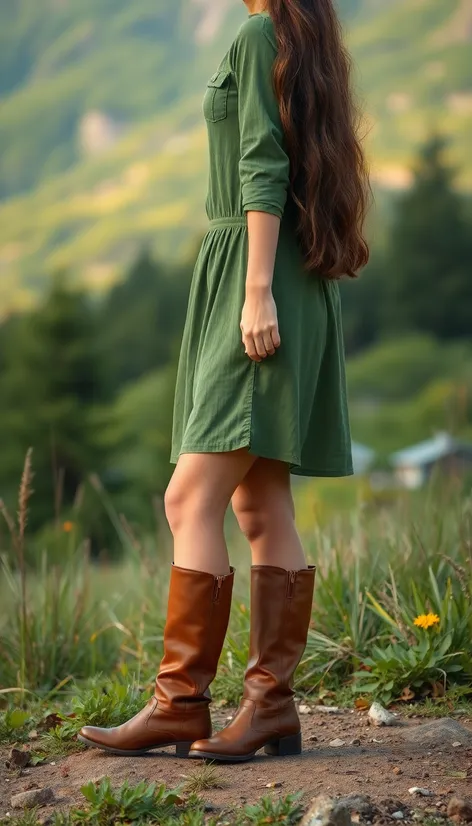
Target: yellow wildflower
{"points": [[426, 620]]}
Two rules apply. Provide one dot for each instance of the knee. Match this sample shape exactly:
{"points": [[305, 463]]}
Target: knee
{"points": [[183, 502], [255, 516]]}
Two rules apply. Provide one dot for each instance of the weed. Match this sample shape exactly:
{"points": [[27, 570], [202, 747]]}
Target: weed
{"points": [[29, 817], [287, 810], [206, 776], [57, 742], [13, 725], [138, 804], [389, 670], [104, 706]]}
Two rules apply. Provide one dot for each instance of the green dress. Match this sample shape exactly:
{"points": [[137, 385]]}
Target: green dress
{"points": [[291, 406]]}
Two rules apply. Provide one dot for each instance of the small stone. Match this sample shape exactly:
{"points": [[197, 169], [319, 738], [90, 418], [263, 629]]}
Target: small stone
{"points": [[18, 759], [381, 717], [34, 797], [324, 811], [397, 770], [275, 784], [398, 815], [329, 709], [419, 791], [33, 735], [336, 743], [304, 709], [355, 742], [443, 731], [460, 809], [456, 744], [360, 803]]}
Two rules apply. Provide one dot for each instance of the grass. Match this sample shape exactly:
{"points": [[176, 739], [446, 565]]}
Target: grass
{"points": [[203, 778]]}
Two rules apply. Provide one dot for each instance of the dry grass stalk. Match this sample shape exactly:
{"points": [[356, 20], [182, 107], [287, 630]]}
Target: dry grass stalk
{"points": [[462, 575], [23, 499], [24, 496]]}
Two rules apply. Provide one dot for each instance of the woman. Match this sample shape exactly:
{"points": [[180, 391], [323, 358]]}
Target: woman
{"points": [[261, 385]]}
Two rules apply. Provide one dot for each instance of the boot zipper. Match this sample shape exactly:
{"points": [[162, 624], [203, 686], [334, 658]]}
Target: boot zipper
{"points": [[216, 591], [292, 575]]}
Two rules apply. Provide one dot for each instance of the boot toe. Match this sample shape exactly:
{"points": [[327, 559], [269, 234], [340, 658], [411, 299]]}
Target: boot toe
{"points": [[214, 748], [93, 736], [201, 746]]}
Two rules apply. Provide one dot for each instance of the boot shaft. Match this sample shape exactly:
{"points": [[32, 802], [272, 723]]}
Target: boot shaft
{"points": [[281, 605], [197, 619]]}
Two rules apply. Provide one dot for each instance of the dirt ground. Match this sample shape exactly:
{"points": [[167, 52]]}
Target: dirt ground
{"points": [[373, 761]]}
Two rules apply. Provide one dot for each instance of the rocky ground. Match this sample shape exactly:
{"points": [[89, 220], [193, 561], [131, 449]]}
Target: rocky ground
{"points": [[416, 769]]}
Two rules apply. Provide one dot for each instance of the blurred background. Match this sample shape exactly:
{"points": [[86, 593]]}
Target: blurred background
{"points": [[103, 167]]}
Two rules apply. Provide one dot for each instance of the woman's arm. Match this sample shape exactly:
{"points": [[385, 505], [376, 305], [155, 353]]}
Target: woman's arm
{"points": [[259, 325], [264, 174]]}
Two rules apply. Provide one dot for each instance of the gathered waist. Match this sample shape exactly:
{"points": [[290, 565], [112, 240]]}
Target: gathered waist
{"points": [[228, 221]]}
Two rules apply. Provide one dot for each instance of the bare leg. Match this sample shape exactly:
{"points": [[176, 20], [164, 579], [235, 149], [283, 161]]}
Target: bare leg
{"points": [[264, 508], [196, 501]]}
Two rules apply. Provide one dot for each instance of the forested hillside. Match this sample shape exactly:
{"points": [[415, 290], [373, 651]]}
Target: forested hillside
{"points": [[102, 146]]}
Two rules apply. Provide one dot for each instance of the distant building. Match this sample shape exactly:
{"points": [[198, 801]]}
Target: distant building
{"points": [[362, 458], [414, 465]]}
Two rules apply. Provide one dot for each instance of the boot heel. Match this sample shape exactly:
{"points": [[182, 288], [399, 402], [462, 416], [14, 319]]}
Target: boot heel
{"points": [[285, 746], [182, 749]]}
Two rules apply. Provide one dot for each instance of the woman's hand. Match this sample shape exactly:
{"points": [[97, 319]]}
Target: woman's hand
{"points": [[259, 324]]}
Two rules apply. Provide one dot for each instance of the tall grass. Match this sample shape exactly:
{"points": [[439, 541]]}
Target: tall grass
{"points": [[380, 565]]}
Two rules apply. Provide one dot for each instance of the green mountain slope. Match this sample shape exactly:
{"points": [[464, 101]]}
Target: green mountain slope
{"points": [[102, 144]]}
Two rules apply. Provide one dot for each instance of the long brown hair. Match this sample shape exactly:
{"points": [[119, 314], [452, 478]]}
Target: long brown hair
{"points": [[328, 174]]}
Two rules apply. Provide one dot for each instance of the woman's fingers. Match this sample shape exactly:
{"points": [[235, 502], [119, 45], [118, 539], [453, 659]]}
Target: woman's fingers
{"points": [[250, 348], [268, 343], [260, 345], [275, 336]]}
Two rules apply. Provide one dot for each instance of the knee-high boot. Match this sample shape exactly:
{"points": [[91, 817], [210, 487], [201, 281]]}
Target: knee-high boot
{"points": [[281, 603], [178, 713]]}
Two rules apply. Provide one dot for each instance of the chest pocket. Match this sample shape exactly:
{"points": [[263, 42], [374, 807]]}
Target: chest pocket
{"points": [[215, 102]]}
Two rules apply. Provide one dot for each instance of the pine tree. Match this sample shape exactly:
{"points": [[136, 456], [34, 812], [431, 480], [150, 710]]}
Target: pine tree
{"points": [[50, 389], [430, 252], [142, 318]]}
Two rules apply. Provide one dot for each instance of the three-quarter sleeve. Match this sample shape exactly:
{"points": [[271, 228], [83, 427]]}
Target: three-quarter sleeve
{"points": [[264, 164]]}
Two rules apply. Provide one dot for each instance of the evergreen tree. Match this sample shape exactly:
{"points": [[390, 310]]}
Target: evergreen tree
{"points": [[142, 319], [430, 253], [51, 386]]}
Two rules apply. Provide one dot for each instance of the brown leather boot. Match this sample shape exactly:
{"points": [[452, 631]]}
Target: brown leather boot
{"points": [[280, 616], [178, 713]]}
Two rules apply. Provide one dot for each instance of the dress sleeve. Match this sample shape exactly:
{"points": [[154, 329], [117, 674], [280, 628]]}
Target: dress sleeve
{"points": [[264, 164]]}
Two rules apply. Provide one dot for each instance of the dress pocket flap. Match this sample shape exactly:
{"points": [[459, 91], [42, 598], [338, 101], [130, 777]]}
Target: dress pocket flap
{"points": [[219, 79]]}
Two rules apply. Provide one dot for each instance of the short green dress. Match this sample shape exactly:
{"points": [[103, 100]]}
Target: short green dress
{"points": [[291, 406]]}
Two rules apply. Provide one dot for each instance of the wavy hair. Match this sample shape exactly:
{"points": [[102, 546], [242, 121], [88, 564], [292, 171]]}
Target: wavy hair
{"points": [[329, 180]]}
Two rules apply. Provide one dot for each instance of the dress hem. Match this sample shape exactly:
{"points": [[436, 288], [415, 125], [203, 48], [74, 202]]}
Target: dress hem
{"points": [[296, 468]]}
